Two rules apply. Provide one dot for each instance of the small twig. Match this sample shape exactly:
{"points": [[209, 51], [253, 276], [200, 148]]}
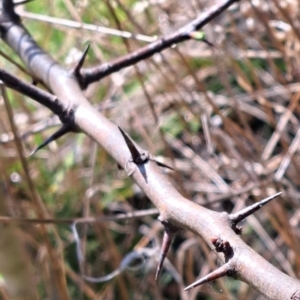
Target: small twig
{"points": [[287, 158], [40, 96], [91, 27], [94, 74], [119, 217]]}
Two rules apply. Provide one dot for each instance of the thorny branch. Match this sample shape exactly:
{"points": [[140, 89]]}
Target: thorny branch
{"points": [[71, 105], [183, 34]]}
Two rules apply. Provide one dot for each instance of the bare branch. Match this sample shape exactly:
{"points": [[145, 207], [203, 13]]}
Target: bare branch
{"points": [[40, 96], [97, 73]]}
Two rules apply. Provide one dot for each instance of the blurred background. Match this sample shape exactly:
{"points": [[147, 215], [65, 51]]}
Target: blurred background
{"points": [[225, 116]]}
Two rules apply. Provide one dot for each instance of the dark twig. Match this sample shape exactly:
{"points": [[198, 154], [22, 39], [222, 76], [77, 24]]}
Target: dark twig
{"points": [[224, 270], [40, 96], [244, 213], [94, 74]]}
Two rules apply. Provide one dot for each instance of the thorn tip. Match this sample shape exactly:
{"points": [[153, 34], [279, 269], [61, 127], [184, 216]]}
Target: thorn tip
{"points": [[220, 272], [56, 135], [249, 210], [79, 64]]}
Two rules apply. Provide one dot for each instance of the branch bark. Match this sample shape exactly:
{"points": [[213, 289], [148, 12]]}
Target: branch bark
{"points": [[244, 263]]}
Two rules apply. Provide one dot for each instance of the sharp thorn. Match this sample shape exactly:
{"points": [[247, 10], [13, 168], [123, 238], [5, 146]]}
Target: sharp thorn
{"points": [[78, 66], [159, 266], [135, 153], [56, 135], [220, 272], [163, 165], [244, 213], [167, 240]]}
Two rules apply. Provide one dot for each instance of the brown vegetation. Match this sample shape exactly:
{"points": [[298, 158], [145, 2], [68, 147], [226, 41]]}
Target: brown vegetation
{"points": [[221, 111]]}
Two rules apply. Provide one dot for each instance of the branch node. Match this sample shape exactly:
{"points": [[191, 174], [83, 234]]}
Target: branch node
{"points": [[224, 270], [169, 232], [244, 213], [199, 36], [139, 158], [222, 246], [136, 156]]}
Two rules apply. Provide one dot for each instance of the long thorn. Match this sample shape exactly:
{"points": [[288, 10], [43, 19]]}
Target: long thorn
{"points": [[244, 213], [167, 240], [56, 135], [163, 165], [220, 272], [135, 153], [78, 66]]}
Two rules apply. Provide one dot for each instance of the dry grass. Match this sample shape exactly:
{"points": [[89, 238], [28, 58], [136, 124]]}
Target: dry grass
{"points": [[227, 118]]}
